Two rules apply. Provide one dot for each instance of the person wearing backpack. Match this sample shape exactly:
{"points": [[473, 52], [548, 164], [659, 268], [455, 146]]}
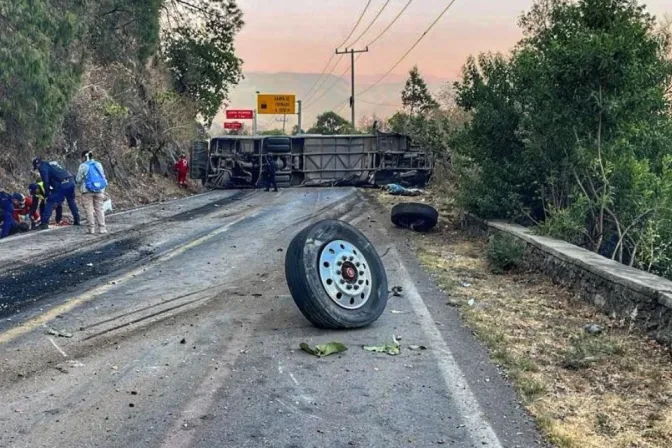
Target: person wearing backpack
{"points": [[91, 179]]}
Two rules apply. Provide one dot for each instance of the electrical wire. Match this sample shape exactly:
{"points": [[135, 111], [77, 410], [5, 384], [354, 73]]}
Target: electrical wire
{"points": [[382, 33], [307, 103], [387, 2], [361, 16], [445, 10]]}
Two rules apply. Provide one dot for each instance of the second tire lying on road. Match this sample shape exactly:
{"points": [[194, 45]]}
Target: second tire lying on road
{"points": [[415, 216], [335, 276]]}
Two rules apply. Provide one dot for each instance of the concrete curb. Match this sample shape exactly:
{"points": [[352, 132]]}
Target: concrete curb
{"points": [[617, 289]]}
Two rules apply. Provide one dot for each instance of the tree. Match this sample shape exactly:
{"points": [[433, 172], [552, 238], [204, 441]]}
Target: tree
{"points": [[416, 97], [574, 131], [198, 46], [330, 123], [272, 132]]}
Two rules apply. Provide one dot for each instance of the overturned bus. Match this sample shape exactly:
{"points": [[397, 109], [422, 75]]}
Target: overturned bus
{"points": [[310, 160]]}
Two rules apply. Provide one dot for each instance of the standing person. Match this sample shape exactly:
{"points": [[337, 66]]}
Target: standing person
{"points": [[91, 179], [271, 168], [6, 214], [62, 187], [39, 200], [182, 168]]}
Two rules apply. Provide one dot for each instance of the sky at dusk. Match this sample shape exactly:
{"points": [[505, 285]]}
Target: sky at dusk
{"points": [[300, 35]]}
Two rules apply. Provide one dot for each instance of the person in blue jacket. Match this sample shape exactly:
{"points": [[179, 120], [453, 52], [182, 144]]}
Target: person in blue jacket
{"points": [[62, 184], [6, 214]]}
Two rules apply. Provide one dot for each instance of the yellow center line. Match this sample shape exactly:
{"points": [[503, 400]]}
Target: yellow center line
{"points": [[74, 302]]}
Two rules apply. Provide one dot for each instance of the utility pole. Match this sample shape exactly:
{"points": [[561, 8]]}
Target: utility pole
{"points": [[352, 77], [299, 110], [255, 124]]}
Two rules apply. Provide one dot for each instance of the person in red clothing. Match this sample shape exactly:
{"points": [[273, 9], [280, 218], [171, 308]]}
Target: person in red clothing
{"points": [[22, 207], [182, 168]]}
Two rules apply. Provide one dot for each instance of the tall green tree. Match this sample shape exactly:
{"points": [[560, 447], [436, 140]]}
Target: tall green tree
{"points": [[330, 123], [416, 97], [199, 50], [41, 63], [575, 129]]}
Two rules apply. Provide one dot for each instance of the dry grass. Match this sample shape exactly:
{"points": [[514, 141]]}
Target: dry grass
{"points": [[607, 390]]}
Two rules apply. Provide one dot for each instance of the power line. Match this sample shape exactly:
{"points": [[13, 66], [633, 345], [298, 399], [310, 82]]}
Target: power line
{"points": [[391, 23], [361, 16], [445, 10], [387, 2], [375, 39]]}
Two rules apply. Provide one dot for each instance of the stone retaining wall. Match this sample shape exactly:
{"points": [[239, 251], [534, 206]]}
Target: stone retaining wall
{"points": [[642, 299]]}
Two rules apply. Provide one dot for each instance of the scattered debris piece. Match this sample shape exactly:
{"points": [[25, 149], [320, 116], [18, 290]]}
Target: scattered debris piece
{"points": [[465, 284], [89, 265], [398, 190], [471, 302], [453, 302], [417, 347], [322, 350], [397, 312], [280, 250], [59, 333], [183, 341], [393, 349], [397, 291], [593, 329]]}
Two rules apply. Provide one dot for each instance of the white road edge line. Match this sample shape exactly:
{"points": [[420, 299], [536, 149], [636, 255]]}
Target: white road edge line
{"points": [[470, 410], [60, 350]]}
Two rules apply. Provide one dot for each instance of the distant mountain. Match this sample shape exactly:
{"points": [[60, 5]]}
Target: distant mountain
{"points": [[383, 100]]}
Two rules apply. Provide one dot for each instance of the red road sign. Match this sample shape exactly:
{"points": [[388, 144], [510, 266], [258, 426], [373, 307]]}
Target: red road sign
{"points": [[236, 114], [233, 125]]}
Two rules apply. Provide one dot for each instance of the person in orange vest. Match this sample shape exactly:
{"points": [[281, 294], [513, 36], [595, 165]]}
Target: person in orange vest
{"points": [[182, 168]]}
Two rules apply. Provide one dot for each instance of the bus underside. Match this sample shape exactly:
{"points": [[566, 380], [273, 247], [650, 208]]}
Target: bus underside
{"points": [[311, 160]]}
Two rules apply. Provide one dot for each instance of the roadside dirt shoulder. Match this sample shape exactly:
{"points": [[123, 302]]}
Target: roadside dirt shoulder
{"points": [[611, 388]]}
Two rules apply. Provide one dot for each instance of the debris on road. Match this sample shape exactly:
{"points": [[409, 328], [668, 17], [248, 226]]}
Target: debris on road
{"points": [[471, 302], [322, 350], [399, 190], [397, 312], [59, 333], [397, 291], [417, 347], [593, 329], [465, 284], [453, 302], [183, 341], [89, 265], [393, 349]]}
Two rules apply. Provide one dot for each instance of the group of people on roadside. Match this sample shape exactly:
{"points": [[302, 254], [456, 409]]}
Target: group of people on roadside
{"points": [[20, 213]]}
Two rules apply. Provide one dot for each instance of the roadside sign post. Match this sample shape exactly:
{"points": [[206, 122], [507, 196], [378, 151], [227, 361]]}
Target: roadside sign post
{"points": [[233, 125], [269, 104]]}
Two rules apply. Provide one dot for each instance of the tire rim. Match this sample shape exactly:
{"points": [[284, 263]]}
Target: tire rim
{"points": [[345, 274]]}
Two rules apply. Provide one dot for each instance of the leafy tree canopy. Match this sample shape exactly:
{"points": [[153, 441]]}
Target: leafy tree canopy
{"points": [[330, 123], [416, 97]]}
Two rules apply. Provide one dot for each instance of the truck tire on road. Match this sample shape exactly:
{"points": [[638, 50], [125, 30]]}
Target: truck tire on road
{"points": [[415, 216], [335, 276]]}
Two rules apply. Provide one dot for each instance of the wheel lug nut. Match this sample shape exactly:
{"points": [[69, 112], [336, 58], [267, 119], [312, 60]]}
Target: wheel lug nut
{"points": [[356, 287], [349, 287], [361, 272], [345, 258], [357, 264], [352, 258], [342, 282]]}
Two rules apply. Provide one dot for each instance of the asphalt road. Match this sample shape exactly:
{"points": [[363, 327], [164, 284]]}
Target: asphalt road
{"points": [[183, 334]]}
